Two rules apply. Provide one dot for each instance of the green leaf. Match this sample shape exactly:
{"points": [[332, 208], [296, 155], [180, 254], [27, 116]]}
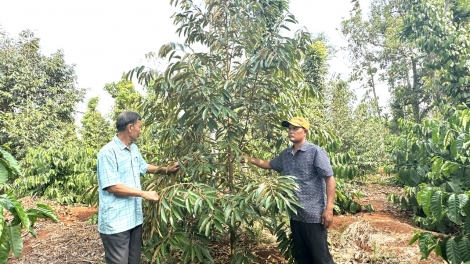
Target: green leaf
{"points": [[11, 161], [177, 213], [204, 114], [227, 212], [16, 242], [454, 255], [165, 204], [2, 220], [436, 205], [4, 244], [466, 226], [218, 225], [16, 208], [403, 202], [463, 199], [208, 229], [283, 243], [464, 248], [427, 242], [454, 186], [449, 136], [415, 237], [204, 223], [163, 215], [355, 207], [454, 209], [466, 176], [44, 211], [414, 177], [3, 172], [435, 135], [453, 148], [466, 209], [370, 208], [188, 207], [424, 199], [449, 167], [459, 141]]}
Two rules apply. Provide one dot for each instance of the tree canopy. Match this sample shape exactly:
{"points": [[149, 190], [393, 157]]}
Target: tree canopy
{"points": [[38, 93]]}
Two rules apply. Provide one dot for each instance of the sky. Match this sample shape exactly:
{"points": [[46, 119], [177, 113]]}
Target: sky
{"points": [[105, 38]]}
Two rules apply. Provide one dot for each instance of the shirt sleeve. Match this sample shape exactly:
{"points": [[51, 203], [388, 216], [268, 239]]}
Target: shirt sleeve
{"points": [[107, 170], [322, 163], [143, 166], [276, 163]]}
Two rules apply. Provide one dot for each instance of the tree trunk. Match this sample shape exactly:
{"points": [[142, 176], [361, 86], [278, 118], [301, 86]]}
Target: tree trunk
{"points": [[416, 94], [372, 84]]}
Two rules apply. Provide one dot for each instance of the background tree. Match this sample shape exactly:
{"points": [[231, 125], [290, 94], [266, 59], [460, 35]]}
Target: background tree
{"points": [[441, 30], [38, 93], [124, 94], [431, 158], [96, 131], [65, 171], [379, 55], [360, 132], [314, 65]]}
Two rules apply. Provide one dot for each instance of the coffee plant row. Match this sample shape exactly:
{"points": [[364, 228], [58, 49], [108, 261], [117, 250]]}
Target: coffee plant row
{"points": [[433, 161]]}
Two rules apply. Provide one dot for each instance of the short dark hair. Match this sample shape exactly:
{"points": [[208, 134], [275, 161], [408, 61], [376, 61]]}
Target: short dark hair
{"points": [[126, 118]]}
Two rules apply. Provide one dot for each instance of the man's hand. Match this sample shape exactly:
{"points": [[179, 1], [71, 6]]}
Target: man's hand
{"points": [[264, 164], [327, 218], [174, 167], [150, 196]]}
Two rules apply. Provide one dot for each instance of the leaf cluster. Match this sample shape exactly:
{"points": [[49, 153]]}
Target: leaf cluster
{"points": [[62, 173], [432, 161], [440, 30], [190, 216], [10, 228]]}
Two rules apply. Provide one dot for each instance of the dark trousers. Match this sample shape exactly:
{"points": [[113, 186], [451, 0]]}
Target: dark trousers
{"points": [[124, 247], [310, 243]]}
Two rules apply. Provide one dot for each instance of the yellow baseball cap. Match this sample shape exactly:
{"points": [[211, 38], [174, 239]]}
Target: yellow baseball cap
{"points": [[297, 121]]}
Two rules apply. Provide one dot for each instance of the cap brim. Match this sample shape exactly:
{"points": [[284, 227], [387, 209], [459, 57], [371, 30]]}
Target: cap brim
{"points": [[285, 123]]}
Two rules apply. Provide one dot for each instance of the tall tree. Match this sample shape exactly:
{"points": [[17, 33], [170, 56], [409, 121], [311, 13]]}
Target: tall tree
{"points": [[356, 126], [378, 54], [314, 65], [38, 93], [96, 130], [212, 106], [124, 94], [441, 31]]}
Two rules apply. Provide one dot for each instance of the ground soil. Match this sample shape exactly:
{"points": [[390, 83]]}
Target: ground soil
{"points": [[366, 237]]}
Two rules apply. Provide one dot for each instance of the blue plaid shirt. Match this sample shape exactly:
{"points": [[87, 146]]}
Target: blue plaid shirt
{"points": [[119, 165], [309, 165]]}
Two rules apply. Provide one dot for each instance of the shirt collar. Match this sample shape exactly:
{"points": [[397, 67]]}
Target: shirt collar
{"points": [[302, 148], [119, 142]]}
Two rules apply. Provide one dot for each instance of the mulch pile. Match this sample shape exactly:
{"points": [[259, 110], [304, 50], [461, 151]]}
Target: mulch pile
{"points": [[72, 240]]}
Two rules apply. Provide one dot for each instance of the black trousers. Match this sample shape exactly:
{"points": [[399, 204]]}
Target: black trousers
{"points": [[124, 247], [310, 243]]}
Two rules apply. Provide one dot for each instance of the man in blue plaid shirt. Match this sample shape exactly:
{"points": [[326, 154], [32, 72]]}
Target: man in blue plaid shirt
{"points": [[120, 166], [311, 166]]}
